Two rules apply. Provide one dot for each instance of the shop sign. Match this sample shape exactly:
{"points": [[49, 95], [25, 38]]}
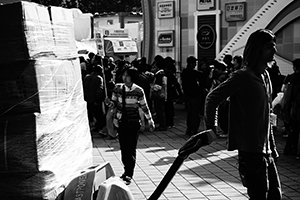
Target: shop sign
{"points": [[165, 9], [235, 11], [205, 4], [123, 33], [206, 36], [165, 38], [124, 46]]}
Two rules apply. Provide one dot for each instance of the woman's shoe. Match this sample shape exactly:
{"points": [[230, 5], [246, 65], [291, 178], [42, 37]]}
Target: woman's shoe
{"points": [[127, 180], [122, 176]]}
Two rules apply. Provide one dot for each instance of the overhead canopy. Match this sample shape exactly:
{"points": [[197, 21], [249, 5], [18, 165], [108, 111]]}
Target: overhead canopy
{"points": [[120, 46], [86, 46]]}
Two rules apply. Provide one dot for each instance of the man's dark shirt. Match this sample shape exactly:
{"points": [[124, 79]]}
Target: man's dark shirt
{"points": [[144, 82], [192, 83]]}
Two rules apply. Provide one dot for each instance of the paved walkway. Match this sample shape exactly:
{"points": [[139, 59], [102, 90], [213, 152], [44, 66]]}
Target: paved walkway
{"points": [[210, 173]]}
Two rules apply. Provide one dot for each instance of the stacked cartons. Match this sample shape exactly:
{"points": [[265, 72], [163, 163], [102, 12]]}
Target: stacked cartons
{"points": [[44, 133], [26, 32]]}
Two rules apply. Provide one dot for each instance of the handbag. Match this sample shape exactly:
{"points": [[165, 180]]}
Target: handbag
{"points": [[277, 103], [157, 92], [111, 128]]}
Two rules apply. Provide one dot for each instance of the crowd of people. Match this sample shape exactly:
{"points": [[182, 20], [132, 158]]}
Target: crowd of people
{"points": [[232, 97], [162, 87], [158, 81]]}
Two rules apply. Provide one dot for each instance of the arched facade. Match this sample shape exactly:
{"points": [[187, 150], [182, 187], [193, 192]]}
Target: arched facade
{"points": [[229, 22]]}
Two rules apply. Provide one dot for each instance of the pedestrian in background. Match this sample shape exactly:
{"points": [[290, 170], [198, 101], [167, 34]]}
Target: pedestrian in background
{"points": [[193, 82], [205, 68], [83, 64], [159, 92], [93, 90], [292, 146], [144, 82], [250, 129], [108, 69], [219, 74], [276, 78], [173, 91], [237, 62], [90, 62], [228, 62]]}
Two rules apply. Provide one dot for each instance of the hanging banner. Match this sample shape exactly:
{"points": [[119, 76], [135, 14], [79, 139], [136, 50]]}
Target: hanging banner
{"points": [[99, 42]]}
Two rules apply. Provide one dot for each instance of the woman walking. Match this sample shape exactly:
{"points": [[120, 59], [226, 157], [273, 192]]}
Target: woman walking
{"points": [[128, 97]]}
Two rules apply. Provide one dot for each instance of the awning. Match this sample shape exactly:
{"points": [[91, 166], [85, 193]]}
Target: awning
{"points": [[120, 46], [86, 46]]}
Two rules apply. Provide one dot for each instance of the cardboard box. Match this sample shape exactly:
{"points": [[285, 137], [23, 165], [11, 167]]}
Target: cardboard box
{"points": [[31, 31], [63, 32], [39, 154], [39, 86], [44, 131], [26, 31]]}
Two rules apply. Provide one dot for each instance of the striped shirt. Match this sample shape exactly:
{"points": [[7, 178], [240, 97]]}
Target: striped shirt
{"points": [[134, 98]]}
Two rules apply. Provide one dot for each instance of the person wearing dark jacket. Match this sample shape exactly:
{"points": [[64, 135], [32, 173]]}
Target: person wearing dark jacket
{"points": [[250, 131], [144, 82], [193, 89], [292, 146], [159, 97], [93, 91], [173, 91]]}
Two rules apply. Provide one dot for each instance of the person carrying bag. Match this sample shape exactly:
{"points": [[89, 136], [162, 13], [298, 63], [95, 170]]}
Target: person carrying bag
{"points": [[127, 98]]}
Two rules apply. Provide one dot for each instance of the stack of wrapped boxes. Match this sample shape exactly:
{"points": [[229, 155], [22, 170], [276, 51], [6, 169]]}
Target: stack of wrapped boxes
{"points": [[44, 133]]}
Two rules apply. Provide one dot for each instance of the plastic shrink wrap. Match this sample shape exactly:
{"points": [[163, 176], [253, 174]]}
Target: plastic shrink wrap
{"points": [[30, 31], [44, 132]]}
